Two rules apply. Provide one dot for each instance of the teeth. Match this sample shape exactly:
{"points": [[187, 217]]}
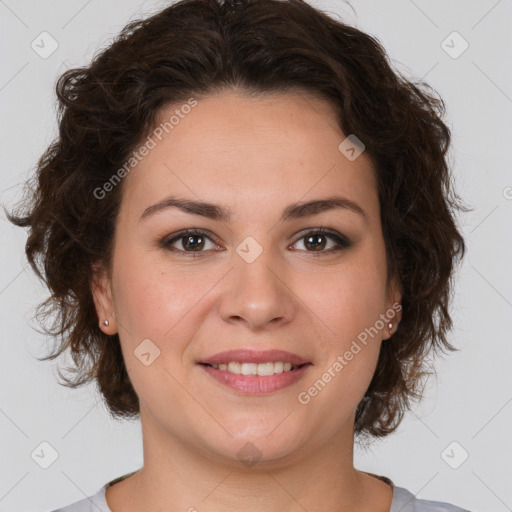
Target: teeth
{"points": [[261, 369]]}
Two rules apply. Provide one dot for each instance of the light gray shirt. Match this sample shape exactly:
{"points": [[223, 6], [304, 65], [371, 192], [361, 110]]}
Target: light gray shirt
{"points": [[403, 501]]}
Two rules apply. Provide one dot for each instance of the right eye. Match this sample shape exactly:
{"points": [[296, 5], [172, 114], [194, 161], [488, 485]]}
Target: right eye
{"points": [[192, 242]]}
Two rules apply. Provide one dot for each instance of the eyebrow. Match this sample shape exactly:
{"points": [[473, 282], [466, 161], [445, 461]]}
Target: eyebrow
{"points": [[222, 214]]}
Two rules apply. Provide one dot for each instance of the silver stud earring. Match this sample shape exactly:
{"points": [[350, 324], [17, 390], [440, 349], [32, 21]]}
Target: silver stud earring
{"points": [[390, 327], [105, 322]]}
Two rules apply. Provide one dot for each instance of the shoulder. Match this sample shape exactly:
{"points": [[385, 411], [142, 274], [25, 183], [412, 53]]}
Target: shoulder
{"points": [[405, 501], [94, 503]]}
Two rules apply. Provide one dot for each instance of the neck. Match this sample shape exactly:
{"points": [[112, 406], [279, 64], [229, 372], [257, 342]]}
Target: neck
{"points": [[177, 476]]}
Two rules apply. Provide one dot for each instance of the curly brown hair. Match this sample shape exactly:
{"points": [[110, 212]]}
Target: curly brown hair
{"points": [[200, 47]]}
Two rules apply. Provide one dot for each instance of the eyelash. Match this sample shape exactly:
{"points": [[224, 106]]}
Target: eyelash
{"points": [[342, 241]]}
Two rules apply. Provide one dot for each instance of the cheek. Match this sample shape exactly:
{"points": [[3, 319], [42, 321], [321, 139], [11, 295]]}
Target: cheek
{"points": [[346, 306], [149, 299], [151, 312], [346, 301], [158, 312]]}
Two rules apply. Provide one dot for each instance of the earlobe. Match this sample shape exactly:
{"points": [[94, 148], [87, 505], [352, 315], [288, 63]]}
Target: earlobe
{"points": [[102, 296], [394, 309]]}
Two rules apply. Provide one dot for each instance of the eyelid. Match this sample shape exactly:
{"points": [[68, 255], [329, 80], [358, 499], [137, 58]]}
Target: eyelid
{"points": [[324, 231], [174, 237]]}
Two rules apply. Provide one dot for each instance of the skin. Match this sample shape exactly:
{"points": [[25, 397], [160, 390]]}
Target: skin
{"points": [[255, 156]]}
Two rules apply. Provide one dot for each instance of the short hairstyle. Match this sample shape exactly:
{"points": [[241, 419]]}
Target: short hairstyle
{"points": [[196, 48]]}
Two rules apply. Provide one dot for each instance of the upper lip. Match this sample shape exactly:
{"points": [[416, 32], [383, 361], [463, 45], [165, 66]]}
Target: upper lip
{"points": [[254, 356]]}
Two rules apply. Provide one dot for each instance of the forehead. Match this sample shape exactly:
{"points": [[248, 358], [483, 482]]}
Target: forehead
{"points": [[234, 148]]}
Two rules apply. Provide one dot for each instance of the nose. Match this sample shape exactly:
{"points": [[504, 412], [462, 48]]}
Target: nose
{"points": [[258, 294]]}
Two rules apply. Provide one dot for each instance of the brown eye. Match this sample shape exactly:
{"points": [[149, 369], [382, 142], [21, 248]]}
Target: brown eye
{"points": [[191, 242], [188, 241], [317, 241], [195, 242]]}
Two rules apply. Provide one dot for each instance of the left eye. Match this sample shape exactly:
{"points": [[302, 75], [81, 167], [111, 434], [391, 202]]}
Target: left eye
{"points": [[312, 239]]}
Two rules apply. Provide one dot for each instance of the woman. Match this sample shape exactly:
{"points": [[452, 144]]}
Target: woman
{"points": [[247, 228]]}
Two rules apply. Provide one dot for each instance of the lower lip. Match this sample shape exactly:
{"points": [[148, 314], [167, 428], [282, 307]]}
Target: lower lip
{"points": [[255, 384]]}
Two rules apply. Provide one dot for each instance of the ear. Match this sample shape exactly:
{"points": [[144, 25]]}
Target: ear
{"points": [[393, 311], [101, 289]]}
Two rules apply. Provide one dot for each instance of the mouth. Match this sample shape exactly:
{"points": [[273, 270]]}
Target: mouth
{"points": [[260, 369], [252, 372], [255, 372]]}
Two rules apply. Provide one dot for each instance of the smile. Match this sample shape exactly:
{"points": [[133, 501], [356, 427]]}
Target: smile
{"points": [[261, 369], [256, 379]]}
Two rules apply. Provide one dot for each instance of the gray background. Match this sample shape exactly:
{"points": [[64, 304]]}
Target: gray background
{"points": [[470, 400]]}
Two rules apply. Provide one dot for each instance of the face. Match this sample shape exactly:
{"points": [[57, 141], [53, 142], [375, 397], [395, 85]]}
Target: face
{"points": [[263, 279]]}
